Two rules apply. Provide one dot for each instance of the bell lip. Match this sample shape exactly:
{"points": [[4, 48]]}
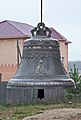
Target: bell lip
{"points": [[38, 83], [48, 78]]}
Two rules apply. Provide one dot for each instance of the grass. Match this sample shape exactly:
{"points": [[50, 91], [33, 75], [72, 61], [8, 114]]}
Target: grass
{"points": [[18, 112]]}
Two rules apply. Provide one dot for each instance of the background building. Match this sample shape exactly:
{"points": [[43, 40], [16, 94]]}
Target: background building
{"points": [[12, 35]]}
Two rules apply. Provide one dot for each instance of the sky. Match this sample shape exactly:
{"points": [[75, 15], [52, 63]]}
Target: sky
{"points": [[62, 15]]}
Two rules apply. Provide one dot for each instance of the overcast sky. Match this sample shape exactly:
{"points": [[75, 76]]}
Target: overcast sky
{"points": [[62, 15]]}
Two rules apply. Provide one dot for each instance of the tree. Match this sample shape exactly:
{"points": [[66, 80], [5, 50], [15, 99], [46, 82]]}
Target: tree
{"points": [[76, 90]]}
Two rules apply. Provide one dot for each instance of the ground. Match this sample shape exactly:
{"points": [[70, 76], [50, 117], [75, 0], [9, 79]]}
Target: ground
{"points": [[58, 114]]}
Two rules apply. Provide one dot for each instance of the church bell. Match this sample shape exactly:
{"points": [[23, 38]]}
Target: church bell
{"points": [[41, 77]]}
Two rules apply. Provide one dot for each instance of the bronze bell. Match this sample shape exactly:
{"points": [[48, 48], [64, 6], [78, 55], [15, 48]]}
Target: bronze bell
{"points": [[41, 77]]}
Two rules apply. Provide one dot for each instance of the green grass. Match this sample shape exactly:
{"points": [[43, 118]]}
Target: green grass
{"points": [[18, 112]]}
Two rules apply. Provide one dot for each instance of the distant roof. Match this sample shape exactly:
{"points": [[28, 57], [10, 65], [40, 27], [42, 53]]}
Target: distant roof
{"points": [[57, 35], [13, 29]]}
